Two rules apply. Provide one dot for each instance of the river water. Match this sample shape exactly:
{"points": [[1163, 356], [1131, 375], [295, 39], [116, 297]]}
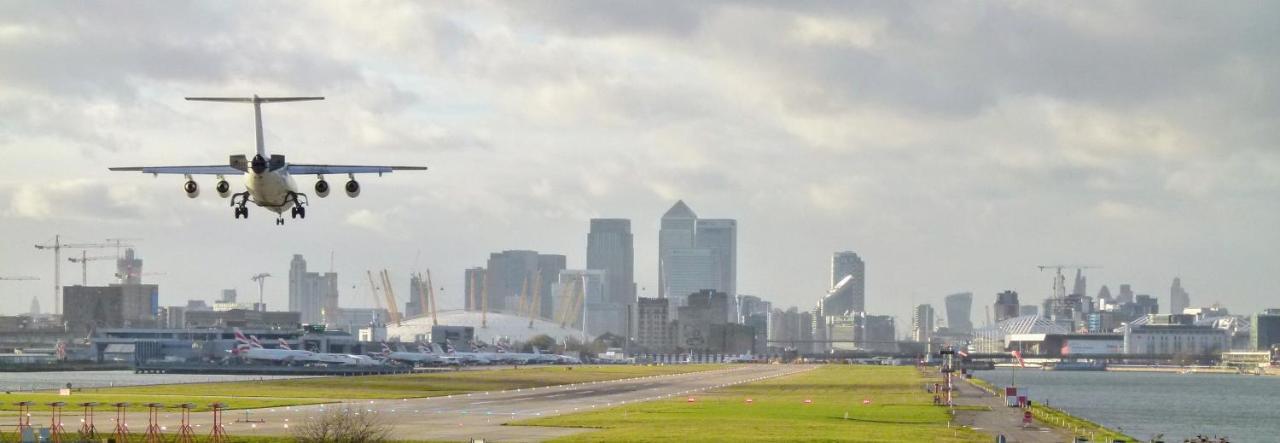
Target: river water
{"points": [[26, 381], [1243, 408]]}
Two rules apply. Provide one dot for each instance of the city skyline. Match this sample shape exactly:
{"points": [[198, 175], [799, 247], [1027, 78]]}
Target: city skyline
{"points": [[820, 133]]}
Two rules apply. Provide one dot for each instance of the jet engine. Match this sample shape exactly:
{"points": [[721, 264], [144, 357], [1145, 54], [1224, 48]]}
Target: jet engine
{"points": [[353, 188], [223, 188], [191, 188], [322, 188]]}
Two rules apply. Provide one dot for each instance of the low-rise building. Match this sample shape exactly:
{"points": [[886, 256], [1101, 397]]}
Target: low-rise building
{"points": [[654, 330], [86, 308], [1174, 339], [242, 318]]}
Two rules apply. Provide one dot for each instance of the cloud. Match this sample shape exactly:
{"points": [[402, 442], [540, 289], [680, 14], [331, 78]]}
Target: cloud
{"points": [[79, 199], [965, 132]]}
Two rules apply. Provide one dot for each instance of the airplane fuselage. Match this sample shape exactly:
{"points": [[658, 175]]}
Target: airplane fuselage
{"points": [[271, 189]]}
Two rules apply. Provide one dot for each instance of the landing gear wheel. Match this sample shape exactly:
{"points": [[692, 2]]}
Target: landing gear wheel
{"points": [[242, 211], [279, 222], [302, 212]]}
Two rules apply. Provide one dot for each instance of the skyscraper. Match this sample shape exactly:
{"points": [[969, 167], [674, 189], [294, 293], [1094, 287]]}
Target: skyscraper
{"points": [[848, 263], [549, 267], [845, 298], [129, 268], [1179, 299], [689, 270], [922, 323], [510, 276], [601, 314], [1078, 287], [677, 230], [1104, 296], [696, 255], [1006, 305], [720, 236], [314, 295], [1125, 295], [958, 309], [609, 248]]}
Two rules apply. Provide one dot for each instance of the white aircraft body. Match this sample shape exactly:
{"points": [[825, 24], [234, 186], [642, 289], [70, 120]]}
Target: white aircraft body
{"points": [[250, 348], [363, 360], [268, 179], [422, 357], [471, 358]]}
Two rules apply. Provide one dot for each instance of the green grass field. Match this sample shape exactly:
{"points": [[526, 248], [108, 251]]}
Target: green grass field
{"points": [[899, 411], [273, 393]]}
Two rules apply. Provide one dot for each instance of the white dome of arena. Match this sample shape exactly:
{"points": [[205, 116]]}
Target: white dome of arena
{"points": [[496, 326]]}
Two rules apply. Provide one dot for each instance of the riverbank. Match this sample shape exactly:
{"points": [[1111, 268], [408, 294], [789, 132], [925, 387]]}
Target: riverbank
{"points": [[1055, 418], [1190, 369]]}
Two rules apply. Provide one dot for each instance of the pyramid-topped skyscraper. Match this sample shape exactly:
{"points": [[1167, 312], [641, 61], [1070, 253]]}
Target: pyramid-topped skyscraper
{"points": [[696, 254]]}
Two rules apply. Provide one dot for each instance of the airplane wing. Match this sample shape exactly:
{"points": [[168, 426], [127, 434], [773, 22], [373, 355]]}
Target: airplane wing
{"points": [[349, 169], [191, 170]]}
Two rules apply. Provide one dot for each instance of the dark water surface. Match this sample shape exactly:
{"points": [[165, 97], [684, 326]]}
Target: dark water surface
{"points": [[1244, 408]]}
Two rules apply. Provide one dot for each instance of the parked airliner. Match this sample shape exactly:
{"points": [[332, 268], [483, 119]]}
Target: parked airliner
{"points": [[268, 178]]}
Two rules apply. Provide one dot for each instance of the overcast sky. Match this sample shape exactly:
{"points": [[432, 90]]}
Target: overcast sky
{"points": [[953, 145]]}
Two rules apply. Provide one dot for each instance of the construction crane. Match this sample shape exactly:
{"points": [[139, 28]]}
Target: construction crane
{"points": [[18, 278], [144, 274], [1059, 281], [57, 246], [120, 243], [387, 290], [373, 290], [262, 280], [84, 260]]}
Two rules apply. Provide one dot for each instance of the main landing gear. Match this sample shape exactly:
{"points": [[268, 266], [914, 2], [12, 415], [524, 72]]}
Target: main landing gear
{"points": [[299, 209]]}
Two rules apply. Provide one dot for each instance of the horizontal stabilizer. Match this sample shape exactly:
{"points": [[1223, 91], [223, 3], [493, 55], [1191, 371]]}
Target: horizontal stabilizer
{"points": [[254, 99]]}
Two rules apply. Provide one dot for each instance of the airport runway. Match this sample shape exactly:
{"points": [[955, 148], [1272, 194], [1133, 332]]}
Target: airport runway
{"points": [[476, 415]]}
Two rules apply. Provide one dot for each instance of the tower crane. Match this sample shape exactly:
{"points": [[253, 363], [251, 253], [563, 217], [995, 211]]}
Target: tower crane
{"points": [[373, 290], [84, 260], [261, 279], [121, 243], [57, 246], [20, 277]]}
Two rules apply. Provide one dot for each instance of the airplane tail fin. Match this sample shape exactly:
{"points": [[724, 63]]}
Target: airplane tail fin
{"points": [[257, 110]]}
